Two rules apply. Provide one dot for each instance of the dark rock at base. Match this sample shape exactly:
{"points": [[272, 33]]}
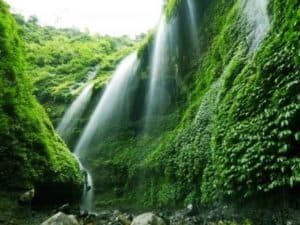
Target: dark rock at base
{"points": [[148, 219], [88, 218], [61, 218], [104, 215], [180, 218], [193, 209], [83, 213], [124, 219], [2, 220], [116, 213], [66, 208], [26, 198]]}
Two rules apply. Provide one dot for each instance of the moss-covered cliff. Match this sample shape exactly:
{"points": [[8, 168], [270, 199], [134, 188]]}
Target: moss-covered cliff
{"points": [[231, 130], [230, 127], [59, 62], [31, 153]]}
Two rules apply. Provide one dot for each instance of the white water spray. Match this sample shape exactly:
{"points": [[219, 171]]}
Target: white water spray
{"points": [[107, 112], [111, 104], [156, 94], [74, 113], [88, 189], [193, 24], [257, 14]]}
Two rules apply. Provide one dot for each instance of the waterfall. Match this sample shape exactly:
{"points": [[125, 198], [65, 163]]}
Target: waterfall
{"points": [[88, 189], [74, 113], [92, 74], [157, 96], [111, 106], [67, 125], [88, 192], [257, 15], [107, 112], [193, 23]]}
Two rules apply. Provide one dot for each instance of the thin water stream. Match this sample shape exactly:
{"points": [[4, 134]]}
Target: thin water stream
{"points": [[257, 15]]}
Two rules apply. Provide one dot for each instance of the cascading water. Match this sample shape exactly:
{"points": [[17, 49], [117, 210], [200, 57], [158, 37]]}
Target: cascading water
{"points": [[107, 112], [74, 113], [158, 97], [77, 108], [88, 192], [257, 15], [69, 122], [111, 104], [156, 94], [193, 23]]}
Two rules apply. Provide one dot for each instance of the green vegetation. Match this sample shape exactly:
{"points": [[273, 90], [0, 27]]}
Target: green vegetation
{"points": [[59, 60], [231, 131], [32, 154], [172, 7]]}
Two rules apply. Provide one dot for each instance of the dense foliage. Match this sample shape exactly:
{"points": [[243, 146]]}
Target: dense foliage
{"points": [[232, 131], [31, 153], [60, 59]]}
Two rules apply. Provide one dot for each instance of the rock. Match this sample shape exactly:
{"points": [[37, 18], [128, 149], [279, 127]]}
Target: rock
{"points": [[2, 220], [148, 219], [61, 219], [116, 212], [83, 213], [65, 208], [180, 218], [124, 219], [192, 209], [104, 215], [26, 198], [87, 218]]}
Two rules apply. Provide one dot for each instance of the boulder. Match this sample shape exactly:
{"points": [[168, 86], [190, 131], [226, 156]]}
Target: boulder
{"points": [[66, 208], [26, 198], [148, 219], [61, 219], [104, 215], [124, 219], [192, 210]]}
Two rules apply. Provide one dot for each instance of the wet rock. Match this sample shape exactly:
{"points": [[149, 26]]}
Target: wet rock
{"points": [[2, 220], [104, 215], [148, 219], [61, 219], [180, 218], [26, 198], [116, 212], [193, 209], [124, 219], [87, 218], [66, 208]]}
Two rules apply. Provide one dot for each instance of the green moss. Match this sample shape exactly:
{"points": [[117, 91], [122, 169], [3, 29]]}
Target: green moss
{"points": [[171, 8], [232, 131], [31, 153], [236, 135], [59, 60], [257, 153]]}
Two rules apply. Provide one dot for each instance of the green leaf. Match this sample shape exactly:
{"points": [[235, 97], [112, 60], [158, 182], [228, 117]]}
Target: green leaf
{"points": [[297, 136]]}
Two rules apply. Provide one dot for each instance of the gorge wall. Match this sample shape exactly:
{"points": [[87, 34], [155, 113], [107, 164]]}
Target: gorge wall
{"points": [[32, 154], [228, 129], [210, 114]]}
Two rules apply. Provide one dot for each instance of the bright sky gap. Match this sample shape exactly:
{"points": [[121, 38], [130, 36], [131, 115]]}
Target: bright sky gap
{"points": [[105, 17]]}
